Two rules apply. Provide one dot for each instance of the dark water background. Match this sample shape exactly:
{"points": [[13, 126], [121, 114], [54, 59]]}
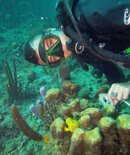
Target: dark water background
{"points": [[13, 12], [20, 20]]}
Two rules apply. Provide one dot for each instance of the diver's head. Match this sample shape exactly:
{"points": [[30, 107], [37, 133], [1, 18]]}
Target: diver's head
{"points": [[31, 50], [48, 48]]}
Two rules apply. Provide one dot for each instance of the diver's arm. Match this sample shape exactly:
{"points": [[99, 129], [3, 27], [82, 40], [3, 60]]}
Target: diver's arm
{"points": [[119, 92]]}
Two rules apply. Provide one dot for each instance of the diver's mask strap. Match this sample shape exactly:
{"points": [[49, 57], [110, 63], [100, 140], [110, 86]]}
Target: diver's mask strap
{"points": [[40, 61]]}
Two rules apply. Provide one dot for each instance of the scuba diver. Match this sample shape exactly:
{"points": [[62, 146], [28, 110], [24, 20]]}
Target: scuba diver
{"points": [[96, 33]]}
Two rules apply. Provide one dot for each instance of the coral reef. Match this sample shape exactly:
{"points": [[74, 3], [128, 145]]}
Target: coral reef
{"points": [[94, 131], [50, 111], [69, 89], [53, 95], [78, 128], [54, 99]]}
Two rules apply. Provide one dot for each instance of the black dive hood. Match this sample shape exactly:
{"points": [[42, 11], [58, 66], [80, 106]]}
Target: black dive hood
{"points": [[95, 50]]}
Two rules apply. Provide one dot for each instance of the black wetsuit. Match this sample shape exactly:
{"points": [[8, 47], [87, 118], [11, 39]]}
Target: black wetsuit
{"points": [[105, 23]]}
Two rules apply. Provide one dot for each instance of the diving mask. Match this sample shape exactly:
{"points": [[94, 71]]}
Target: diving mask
{"points": [[50, 49], [45, 49]]}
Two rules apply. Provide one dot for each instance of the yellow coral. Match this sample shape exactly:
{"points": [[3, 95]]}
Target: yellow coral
{"points": [[71, 124], [46, 139]]}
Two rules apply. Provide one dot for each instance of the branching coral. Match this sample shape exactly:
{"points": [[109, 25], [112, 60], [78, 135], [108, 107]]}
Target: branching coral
{"points": [[14, 88]]}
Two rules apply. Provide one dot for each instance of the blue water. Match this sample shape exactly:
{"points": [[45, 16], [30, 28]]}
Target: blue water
{"points": [[21, 81]]}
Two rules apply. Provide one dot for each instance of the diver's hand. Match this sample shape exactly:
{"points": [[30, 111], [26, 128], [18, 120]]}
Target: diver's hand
{"points": [[118, 92]]}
